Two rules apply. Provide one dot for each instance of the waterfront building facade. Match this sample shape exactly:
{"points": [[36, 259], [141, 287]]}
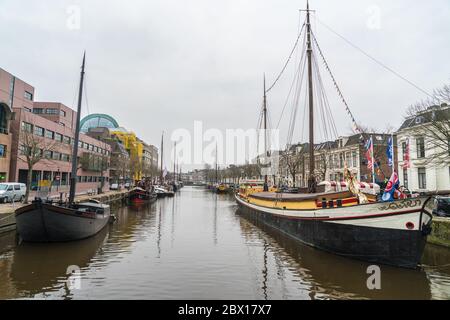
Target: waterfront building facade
{"points": [[14, 94], [57, 141], [424, 151]]}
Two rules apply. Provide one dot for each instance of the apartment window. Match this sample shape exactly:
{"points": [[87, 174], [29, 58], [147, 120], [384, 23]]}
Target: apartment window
{"points": [[56, 156], [420, 144], [348, 158], [80, 144], [51, 111], [49, 134], [48, 154], [28, 95], [91, 147], [58, 137], [39, 131], [62, 113], [355, 162], [2, 151], [405, 178], [28, 127], [341, 160], [38, 110], [422, 178], [65, 157], [67, 139], [403, 149]]}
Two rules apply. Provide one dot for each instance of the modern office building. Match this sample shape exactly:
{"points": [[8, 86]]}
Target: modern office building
{"points": [[14, 94]]}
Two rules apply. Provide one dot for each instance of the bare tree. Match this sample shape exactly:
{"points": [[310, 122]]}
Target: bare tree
{"points": [[292, 161], [33, 149], [433, 123]]}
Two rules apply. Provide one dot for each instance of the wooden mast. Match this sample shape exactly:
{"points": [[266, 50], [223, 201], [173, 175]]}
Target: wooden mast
{"points": [[266, 187], [162, 153], [73, 178], [311, 178]]}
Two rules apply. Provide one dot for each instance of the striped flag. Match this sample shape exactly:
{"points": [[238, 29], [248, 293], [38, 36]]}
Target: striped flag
{"points": [[369, 153]]}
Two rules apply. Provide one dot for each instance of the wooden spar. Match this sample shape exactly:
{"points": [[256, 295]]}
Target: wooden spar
{"points": [[266, 187], [311, 179], [73, 178], [162, 153]]}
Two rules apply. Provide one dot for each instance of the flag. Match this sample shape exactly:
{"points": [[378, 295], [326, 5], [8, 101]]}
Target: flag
{"points": [[369, 153], [390, 151], [406, 154], [391, 187]]}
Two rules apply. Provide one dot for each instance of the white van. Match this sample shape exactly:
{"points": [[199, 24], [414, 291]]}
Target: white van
{"points": [[10, 191]]}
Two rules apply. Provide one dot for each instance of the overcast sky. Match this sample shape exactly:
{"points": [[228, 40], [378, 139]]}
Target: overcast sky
{"points": [[162, 64]]}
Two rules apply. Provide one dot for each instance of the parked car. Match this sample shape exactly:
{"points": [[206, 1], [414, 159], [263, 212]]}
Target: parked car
{"points": [[12, 191], [442, 207], [114, 186]]}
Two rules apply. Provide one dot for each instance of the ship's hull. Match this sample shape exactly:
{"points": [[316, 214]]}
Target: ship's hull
{"points": [[41, 222], [355, 232], [140, 198]]}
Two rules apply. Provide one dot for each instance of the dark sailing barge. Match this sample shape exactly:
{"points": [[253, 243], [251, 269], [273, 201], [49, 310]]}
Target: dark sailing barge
{"points": [[47, 221]]}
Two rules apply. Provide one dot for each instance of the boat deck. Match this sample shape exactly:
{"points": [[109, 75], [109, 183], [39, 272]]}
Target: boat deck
{"points": [[272, 196]]}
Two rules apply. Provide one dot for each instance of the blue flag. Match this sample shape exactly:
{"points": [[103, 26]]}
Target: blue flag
{"points": [[390, 152]]}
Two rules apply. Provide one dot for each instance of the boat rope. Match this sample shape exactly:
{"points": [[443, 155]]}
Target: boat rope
{"points": [[375, 60], [288, 59], [347, 108]]}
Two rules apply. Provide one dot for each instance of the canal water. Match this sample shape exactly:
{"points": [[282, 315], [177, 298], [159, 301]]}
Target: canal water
{"points": [[197, 246]]}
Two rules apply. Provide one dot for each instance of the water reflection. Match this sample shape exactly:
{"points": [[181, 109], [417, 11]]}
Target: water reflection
{"points": [[197, 246]]}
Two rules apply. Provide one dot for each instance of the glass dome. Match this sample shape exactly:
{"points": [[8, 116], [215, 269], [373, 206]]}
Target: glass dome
{"points": [[96, 121]]}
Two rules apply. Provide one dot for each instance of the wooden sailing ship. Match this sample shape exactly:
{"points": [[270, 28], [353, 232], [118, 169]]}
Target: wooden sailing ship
{"points": [[348, 223], [45, 220]]}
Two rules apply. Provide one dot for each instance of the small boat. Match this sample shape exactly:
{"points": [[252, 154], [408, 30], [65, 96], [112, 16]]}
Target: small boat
{"points": [[139, 195], [48, 221], [222, 188]]}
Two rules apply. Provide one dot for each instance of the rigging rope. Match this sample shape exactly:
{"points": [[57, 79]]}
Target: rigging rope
{"points": [[347, 108], [375, 60], [287, 61]]}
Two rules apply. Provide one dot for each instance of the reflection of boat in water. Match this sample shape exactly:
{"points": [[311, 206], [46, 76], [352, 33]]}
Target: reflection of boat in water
{"points": [[37, 266], [332, 276]]}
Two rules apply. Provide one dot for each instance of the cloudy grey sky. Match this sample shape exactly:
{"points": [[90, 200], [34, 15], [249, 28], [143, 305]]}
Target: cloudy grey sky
{"points": [[162, 64]]}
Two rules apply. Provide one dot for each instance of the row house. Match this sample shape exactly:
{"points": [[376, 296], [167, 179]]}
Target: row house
{"points": [[331, 157], [424, 150]]}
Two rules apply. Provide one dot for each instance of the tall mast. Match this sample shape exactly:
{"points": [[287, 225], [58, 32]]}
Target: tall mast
{"points": [[216, 164], [175, 162], [162, 157], [73, 178], [311, 179], [266, 187]]}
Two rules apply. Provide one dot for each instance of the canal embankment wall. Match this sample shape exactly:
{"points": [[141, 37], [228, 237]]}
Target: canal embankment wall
{"points": [[113, 198]]}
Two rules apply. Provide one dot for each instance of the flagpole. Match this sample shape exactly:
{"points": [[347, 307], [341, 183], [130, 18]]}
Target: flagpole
{"points": [[393, 153], [373, 163]]}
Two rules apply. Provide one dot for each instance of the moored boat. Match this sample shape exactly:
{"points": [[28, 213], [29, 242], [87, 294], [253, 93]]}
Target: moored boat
{"points": [[48, 221], [388, 233], [139, 195]]}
